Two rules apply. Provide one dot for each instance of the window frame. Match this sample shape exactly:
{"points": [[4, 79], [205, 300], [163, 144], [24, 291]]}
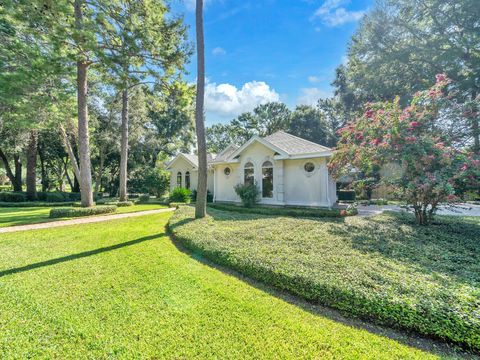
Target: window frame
{"points": [[249, 166], [187, 182], [268, 165], [179, 179]]}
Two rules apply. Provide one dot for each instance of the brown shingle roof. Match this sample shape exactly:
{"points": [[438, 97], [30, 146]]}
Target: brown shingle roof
{"points": [[294, 145]]}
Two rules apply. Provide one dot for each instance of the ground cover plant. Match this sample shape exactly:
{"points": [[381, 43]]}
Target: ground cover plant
{"points": [[286, 211], [384, 268], [122, 290], [70, 212], [12, 216]]}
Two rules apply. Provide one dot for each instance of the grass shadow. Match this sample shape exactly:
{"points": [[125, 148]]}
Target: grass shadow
{"points": [[77, 256]]}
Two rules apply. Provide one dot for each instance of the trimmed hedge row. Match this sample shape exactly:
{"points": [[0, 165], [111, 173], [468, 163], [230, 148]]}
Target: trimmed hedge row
{"points": [[37, 204], [285, 211], [79, 211], [385, 269], [55, 196], [116, 203]]}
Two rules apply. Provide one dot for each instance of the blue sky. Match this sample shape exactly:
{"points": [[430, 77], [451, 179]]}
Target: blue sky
{"points": [[267, 50]]}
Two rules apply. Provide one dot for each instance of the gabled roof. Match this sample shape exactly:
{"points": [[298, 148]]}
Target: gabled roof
{"points": [[225, 154], [192, 159], [260, 140], [293, 145]]}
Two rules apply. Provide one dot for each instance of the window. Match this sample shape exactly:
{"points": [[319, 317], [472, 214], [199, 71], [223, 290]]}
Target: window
{"points": [[249, 173], [309, 167], [267, 179], [227, 171], [187, 180], [179, 179]]}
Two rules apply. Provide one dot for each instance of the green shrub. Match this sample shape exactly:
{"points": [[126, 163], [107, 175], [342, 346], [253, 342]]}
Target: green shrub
{"points": [[79, 211], [122, 203], [176, 205], [180, 195], [193, 196], [346, 195], [284, 211], [8, 196], [383, 268], [37, 204], [144, 198], [248, 193]]}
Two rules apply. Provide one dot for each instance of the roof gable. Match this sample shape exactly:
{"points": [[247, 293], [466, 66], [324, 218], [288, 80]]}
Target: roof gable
{"points": [[294, 145], [260, 140]]}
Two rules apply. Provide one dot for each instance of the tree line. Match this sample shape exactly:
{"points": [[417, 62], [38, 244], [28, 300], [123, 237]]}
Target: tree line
{"points": [[93, 90]]}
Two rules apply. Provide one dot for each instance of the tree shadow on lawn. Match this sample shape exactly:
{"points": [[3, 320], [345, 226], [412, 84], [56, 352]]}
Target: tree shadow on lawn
{"points": [[402, 336], [449, 246], [78, 255]]}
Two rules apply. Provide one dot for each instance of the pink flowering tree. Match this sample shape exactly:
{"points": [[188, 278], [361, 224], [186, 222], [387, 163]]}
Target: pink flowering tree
{"points": [[429, 169]]}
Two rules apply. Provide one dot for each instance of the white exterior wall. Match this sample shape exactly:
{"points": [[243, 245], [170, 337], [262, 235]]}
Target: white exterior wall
{"points": [[183, 166], [224, 184], [308, 189]]}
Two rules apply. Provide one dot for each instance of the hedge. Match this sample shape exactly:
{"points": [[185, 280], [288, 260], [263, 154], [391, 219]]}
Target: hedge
{"points": [[79, 211], [9, 196], [37, 204], [385, 268], [285, 211]]}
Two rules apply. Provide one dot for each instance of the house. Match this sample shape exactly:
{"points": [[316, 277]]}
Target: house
{"points": [[287, 169]]}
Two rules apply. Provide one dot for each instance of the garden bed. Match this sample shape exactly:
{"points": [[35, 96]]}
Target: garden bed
{"points": [[285, 211], [384, 268]]}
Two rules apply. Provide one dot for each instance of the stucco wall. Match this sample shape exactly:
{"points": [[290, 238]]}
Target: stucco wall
{"points": [[302, 188], [224, 184], [183, 166]]}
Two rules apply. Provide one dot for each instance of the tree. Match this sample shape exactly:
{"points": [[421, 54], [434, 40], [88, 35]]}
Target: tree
{"points": [[201, 203], [141, 44], [309, 123], [401, 45], [426, 167], [271, 117]]}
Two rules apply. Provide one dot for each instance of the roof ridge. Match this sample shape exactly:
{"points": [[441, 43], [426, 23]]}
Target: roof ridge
{"points": [[296, 137]]}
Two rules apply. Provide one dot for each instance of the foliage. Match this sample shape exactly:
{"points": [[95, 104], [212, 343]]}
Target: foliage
{"points": [[426, 167], [13, 196], [131, 265], [78, 211], [193, 196], [383, 268], [346, 195], [148, 180], [401, 45], [309, 123], [181, 195], [144, 198], [283, 211], [248, 193], [36, 204]]}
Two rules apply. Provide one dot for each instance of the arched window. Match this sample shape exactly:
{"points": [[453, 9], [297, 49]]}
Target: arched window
{"points": [[187, 180], [179, 179], [267, 179], [249, 173]]}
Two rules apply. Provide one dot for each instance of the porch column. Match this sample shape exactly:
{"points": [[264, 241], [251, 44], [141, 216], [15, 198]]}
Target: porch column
{"points": [[278, 179]]}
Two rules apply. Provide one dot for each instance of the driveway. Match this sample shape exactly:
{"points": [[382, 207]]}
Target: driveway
{"points": [[457, 210]]}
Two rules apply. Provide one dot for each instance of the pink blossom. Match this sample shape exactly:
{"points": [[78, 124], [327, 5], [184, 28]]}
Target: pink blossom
{"points": [[464, 167], [369, 113], [440, 77], [414, 124]]}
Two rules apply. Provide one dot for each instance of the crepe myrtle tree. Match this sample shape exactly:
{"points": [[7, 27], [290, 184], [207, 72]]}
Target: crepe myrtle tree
{"points": [[430, 170]]}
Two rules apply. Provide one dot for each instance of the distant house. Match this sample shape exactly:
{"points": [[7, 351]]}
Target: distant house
{"points": [[287, 169]]}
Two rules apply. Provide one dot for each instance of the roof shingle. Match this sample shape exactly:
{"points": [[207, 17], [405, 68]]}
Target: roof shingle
{"points": [[293, 145]]}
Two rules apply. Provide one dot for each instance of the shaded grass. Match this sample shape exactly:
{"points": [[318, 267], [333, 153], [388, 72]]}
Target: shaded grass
{"points": [[33, 215], [384, 268], [122, 290]]}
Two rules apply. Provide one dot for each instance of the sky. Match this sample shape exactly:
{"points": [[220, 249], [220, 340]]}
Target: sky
{"points": [[270, 50]]}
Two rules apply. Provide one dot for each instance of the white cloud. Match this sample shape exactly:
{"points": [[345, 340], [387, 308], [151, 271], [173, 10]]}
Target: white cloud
{"points": [[313, 79], [227, 100], [218, 51], [310, 96], [333, 13]]}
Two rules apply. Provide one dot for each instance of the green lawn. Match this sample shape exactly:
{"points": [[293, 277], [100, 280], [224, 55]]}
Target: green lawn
{"points": [[11, 216], [384, 268], [121, 289]]}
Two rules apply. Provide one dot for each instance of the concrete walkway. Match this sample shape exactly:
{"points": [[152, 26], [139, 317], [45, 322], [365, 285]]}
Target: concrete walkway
{"points": [[85, 220], [457, 210]]}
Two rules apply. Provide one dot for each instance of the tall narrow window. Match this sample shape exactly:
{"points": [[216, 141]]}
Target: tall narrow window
{"points": [[179, 179], [187, 180], [267, 179], [249, 173]]}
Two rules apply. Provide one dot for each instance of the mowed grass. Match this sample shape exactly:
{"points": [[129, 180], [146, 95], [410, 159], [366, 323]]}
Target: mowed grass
{"points": [[121, 290], [11, 216], [384, 268]]}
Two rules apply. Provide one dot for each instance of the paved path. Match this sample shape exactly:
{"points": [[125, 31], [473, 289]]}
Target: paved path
{"points": [[85, 220], [457, 210]]}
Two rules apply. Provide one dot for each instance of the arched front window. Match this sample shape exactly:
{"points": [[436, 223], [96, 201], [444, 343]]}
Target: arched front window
{"points": [[267, 179], [187, 180], [179, 179], [249, 173]]}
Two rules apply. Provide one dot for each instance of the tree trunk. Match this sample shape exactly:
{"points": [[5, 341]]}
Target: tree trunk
{"points": [[32, 167], [83, 135], [124, 147], [43, 170], [201, 204], [14, 177], [98, 180]]}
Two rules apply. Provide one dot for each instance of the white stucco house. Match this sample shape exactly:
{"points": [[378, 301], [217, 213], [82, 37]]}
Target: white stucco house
{"points": [[287, 169]]}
